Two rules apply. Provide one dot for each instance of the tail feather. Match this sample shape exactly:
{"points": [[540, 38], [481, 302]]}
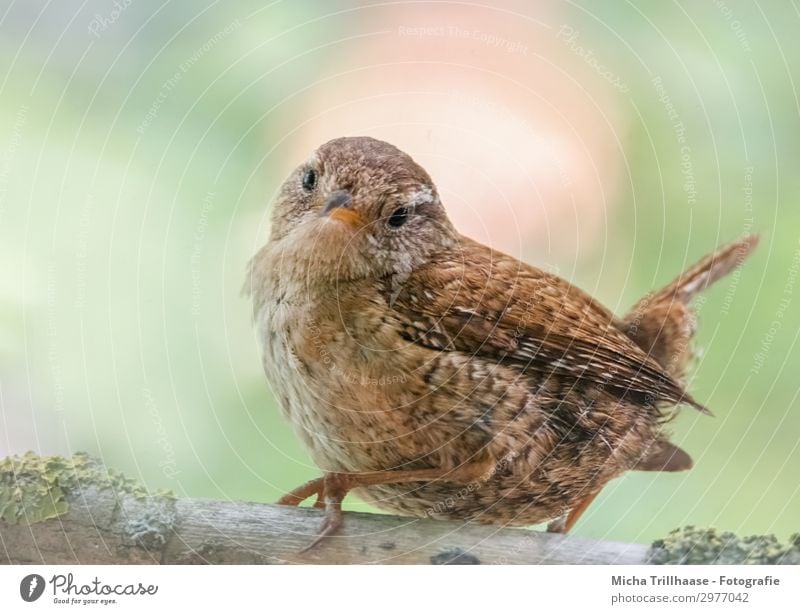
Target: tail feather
{"points": [[663, 323], [709, 270], [664, 456]]}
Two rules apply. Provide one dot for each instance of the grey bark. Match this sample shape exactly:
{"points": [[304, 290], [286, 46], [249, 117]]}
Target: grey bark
{"points": [[102, 528]]}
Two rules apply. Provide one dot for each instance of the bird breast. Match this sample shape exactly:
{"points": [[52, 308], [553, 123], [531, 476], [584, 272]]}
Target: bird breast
{"points": [[342, 397]]}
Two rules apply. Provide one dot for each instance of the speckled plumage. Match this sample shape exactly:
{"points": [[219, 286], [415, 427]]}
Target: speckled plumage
{"points": [[413, 347]]}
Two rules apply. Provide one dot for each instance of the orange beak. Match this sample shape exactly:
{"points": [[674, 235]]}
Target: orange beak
{"points": [[348, 216]]}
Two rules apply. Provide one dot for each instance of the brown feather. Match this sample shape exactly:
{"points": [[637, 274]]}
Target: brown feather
{"points": [[485, 303], [663, 323], [710, 269], [664, 456]]}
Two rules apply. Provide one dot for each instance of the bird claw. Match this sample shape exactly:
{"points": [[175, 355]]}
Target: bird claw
{"points": [[332, 523], [304, 491], [330, 490]]}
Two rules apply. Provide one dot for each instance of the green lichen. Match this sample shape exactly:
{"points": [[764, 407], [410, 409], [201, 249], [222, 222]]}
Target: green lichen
{"points": [[694, 546], [35, 488], [152, 527]]}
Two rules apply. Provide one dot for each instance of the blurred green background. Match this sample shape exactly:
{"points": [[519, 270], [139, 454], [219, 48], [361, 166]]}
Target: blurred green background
{"points": [[141, 143]]}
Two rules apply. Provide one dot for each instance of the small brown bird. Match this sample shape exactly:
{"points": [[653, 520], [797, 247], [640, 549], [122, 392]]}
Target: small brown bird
{"points": [[438, 377]]}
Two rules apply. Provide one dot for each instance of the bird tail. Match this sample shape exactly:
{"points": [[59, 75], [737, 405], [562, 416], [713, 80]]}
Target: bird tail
{"points": [[709, 270], [663, 323], [664, 456]]}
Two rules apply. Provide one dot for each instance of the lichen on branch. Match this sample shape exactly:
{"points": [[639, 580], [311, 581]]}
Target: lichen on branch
{"points": [[35, 488], [694, 546]]}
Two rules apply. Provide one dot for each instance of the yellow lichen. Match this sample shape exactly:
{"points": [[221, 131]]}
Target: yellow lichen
{"points": [[693, 546], [34, 488]]}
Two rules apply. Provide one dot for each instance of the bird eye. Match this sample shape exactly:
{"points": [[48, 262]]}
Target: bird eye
{"points": [[310, 180], [398, 217]]}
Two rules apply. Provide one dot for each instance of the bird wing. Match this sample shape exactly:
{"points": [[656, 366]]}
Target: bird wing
{"points": [[482, 302]]}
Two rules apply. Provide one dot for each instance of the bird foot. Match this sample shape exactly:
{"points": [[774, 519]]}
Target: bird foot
{"points": [[301, 493], [332, 488], [335, 487]]}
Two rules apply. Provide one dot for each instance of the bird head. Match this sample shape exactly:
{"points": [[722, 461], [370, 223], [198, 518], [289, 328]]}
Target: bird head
{"points": [[358, 208]]}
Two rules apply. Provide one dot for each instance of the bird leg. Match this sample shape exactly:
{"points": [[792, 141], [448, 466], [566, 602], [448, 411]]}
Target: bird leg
{"points": [[566, 522], [333, 487], [304, 491]]}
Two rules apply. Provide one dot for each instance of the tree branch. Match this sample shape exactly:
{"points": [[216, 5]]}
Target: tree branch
{"points": [[103, 528], [56, 510]]}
